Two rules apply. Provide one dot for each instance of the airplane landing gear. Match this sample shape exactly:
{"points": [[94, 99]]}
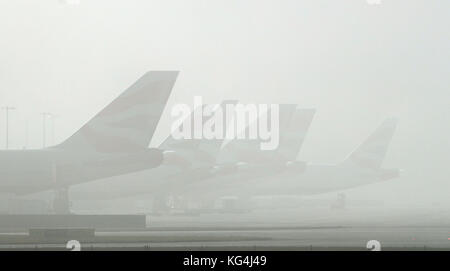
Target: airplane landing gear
{"points": [[160, 204], [340, 202]]}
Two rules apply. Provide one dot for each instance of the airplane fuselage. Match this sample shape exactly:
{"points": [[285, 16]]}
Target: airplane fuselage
{"points": [[314, 179], [28, 171]]}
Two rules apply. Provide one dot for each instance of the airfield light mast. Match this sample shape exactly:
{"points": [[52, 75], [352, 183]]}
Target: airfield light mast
{"points": [[45, 115], [7, 109]]}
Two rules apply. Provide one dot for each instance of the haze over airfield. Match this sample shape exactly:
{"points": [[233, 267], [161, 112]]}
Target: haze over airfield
{"points": [[356, 63]]}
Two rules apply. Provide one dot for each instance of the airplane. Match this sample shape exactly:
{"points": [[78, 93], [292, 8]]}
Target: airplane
{"points": [[243, 159], [246, 154], [187, 161], [112, 143], [361, 167]]}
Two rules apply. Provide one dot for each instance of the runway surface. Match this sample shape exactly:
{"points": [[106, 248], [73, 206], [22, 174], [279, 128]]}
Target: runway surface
{"points": [[318, 229]]}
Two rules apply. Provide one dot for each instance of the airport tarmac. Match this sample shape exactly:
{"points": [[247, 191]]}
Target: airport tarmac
{"points": [[413, 238], [313, 229]]}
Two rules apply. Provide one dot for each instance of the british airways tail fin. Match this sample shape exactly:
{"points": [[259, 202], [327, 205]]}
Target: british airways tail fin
{"points": [[294, 134], [129, 122], [200, 151], [372, 151], [249, 150]]}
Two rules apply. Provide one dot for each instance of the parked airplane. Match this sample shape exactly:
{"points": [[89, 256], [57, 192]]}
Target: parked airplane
{"points": [[189, 161], [294, 125], [362, 167], [185, 160], [114, 142]]}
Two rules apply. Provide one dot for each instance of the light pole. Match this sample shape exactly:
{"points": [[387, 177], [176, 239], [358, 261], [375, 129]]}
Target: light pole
{"points": [[7, 109], [26, 135], [54, 117], [45, 115]]}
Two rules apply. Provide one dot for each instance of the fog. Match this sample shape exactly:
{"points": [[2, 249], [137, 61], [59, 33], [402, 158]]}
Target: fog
{"points": [[356, 63]]}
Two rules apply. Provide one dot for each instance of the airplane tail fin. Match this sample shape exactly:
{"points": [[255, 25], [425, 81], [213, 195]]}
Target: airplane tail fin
{"points": [[249, 150], [293, 135], [372, 152], [205, 150], [213, 146], [129, 122]]}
